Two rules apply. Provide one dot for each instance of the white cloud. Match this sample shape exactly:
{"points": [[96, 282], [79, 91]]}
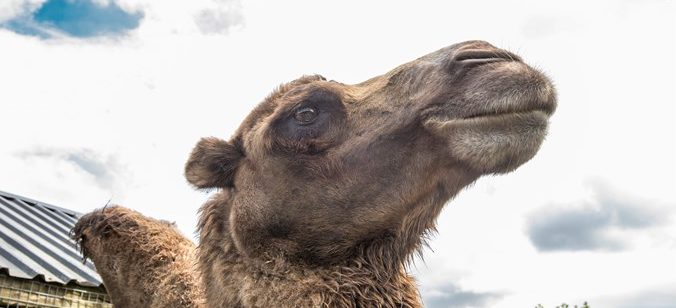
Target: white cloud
{"points": [[610, 222], [156, 18], [13, 8], [450, 295], [220, 16], [106, 172]]}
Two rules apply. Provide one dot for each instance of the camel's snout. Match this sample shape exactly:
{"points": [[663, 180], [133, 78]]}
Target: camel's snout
{"points": [[497, 107]]}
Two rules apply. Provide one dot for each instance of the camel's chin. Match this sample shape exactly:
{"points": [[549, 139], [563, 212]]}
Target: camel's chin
{"points": [[494, 143]]}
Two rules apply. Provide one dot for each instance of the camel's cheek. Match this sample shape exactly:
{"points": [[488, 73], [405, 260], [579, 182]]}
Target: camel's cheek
{"points": [[244, 219]]}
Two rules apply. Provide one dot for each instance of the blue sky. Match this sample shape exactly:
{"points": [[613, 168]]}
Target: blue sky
{"points": [[77, 18], [103, 111]]}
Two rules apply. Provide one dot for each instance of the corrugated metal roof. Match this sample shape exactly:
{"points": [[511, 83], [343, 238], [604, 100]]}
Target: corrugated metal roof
{"points": [[34, 242]]}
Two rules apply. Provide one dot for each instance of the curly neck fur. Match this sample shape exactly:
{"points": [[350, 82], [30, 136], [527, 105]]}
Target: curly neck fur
{"points": [[375, 277]]}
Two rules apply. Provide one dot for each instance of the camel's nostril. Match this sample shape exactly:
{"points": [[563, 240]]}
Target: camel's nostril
{"points": [[469, 56]]}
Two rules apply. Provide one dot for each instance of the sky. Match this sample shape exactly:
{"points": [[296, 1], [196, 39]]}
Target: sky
{"points": [[102, 101]]}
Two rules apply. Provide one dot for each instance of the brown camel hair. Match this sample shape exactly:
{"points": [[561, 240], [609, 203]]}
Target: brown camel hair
{"points": [[144, 262], [326, 190]]}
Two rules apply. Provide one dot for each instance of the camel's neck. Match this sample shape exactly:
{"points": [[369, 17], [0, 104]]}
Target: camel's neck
{"points": [[232, 280]]}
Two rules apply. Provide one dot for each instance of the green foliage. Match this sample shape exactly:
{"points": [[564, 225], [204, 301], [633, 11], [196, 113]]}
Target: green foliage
{"points": [[564, 305]]}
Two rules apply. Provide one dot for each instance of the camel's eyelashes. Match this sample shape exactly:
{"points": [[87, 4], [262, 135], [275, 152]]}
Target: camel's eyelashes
{"points": [[306, 115]]}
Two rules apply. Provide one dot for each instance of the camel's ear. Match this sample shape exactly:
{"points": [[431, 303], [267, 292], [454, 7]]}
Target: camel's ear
{"points": [[213, 163]]}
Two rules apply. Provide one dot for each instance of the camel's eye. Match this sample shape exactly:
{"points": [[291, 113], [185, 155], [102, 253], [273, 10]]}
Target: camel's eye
{"points": [[306, 115]]}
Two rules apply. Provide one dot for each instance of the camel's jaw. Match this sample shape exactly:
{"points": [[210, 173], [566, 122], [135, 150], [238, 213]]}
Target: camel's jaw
{"points": [[495, 143]]}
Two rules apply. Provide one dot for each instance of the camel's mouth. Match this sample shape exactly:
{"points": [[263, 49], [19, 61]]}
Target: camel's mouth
{"points": [[508, 112], [543, 108], [533, 119]]}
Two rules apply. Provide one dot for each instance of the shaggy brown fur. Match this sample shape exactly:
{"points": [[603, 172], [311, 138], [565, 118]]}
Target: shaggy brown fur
{"points": [[327, 189], [143, 262], [371, 279]]}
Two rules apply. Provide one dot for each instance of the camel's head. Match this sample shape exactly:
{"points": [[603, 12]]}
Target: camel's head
{"points": [[321, 170]]}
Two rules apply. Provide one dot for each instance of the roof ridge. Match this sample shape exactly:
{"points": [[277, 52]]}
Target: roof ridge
{"points": [[45, 204]]}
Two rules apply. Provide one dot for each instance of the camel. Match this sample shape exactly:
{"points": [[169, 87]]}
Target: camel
{"points": [[327, 190], [143, 262]]}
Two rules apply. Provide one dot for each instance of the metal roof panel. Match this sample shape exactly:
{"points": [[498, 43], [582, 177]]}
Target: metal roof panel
{"points": [[34, 242]]}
